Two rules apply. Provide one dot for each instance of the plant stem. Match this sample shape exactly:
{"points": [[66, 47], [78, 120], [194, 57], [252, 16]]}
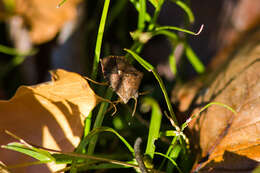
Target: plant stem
{"points": [[142, 13], [99, 39], [98, 121], [167, 99]]}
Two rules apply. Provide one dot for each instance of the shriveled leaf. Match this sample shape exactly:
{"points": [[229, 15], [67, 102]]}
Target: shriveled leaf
{"points": [[50, 114], [232, 141]]}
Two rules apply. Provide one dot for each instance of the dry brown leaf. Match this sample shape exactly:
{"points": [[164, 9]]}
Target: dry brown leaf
{"points": [[49, 115], [232, 142], [42, 17]]}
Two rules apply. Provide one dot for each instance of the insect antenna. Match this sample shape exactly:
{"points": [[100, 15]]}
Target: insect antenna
{"points": [[95, 82]]}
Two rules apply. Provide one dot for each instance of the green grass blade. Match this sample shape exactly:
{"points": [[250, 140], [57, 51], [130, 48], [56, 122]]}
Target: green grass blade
{"points": [[99, 38], [173, 162], [169, 34], [38, 154], [94, 69], [116, 11], [179, 29], [154, 3], [141, 16], [155, 125], [137, 6], [14, 52], [92, 134], [107, 166], [144, 63], [170, 133], [167, 99], [149, 67], [158, 5], [185, 8], [171, 146], [99, 120], [86, 141], [172, 63], [87, 125], [92, 157], [194, 60], [174, 154], [184, 125]]}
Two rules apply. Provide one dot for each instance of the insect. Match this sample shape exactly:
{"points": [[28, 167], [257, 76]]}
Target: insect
{"points": [[122, 77]]}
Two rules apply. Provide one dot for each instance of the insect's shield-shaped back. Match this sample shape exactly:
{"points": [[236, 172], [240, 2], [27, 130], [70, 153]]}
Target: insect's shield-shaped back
{"points": [[123, 78]]}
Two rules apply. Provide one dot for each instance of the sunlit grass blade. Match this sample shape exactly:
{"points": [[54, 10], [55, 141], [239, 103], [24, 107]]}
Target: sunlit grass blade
{"points": [[185, 8], [179, 29], [36, 153], [99, 38], [194, 59], [169, 133], [96, 62], [150, 68], [173, 162], [155, 125], [26, 148], [184, 125]]}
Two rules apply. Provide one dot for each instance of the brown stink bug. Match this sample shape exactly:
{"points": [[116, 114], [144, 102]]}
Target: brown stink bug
{"points": [[123, 78]]}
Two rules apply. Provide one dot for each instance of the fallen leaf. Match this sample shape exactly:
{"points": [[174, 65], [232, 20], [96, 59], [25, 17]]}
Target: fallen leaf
{"points": [[42, 18], [231, 142], [50, 115]]}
